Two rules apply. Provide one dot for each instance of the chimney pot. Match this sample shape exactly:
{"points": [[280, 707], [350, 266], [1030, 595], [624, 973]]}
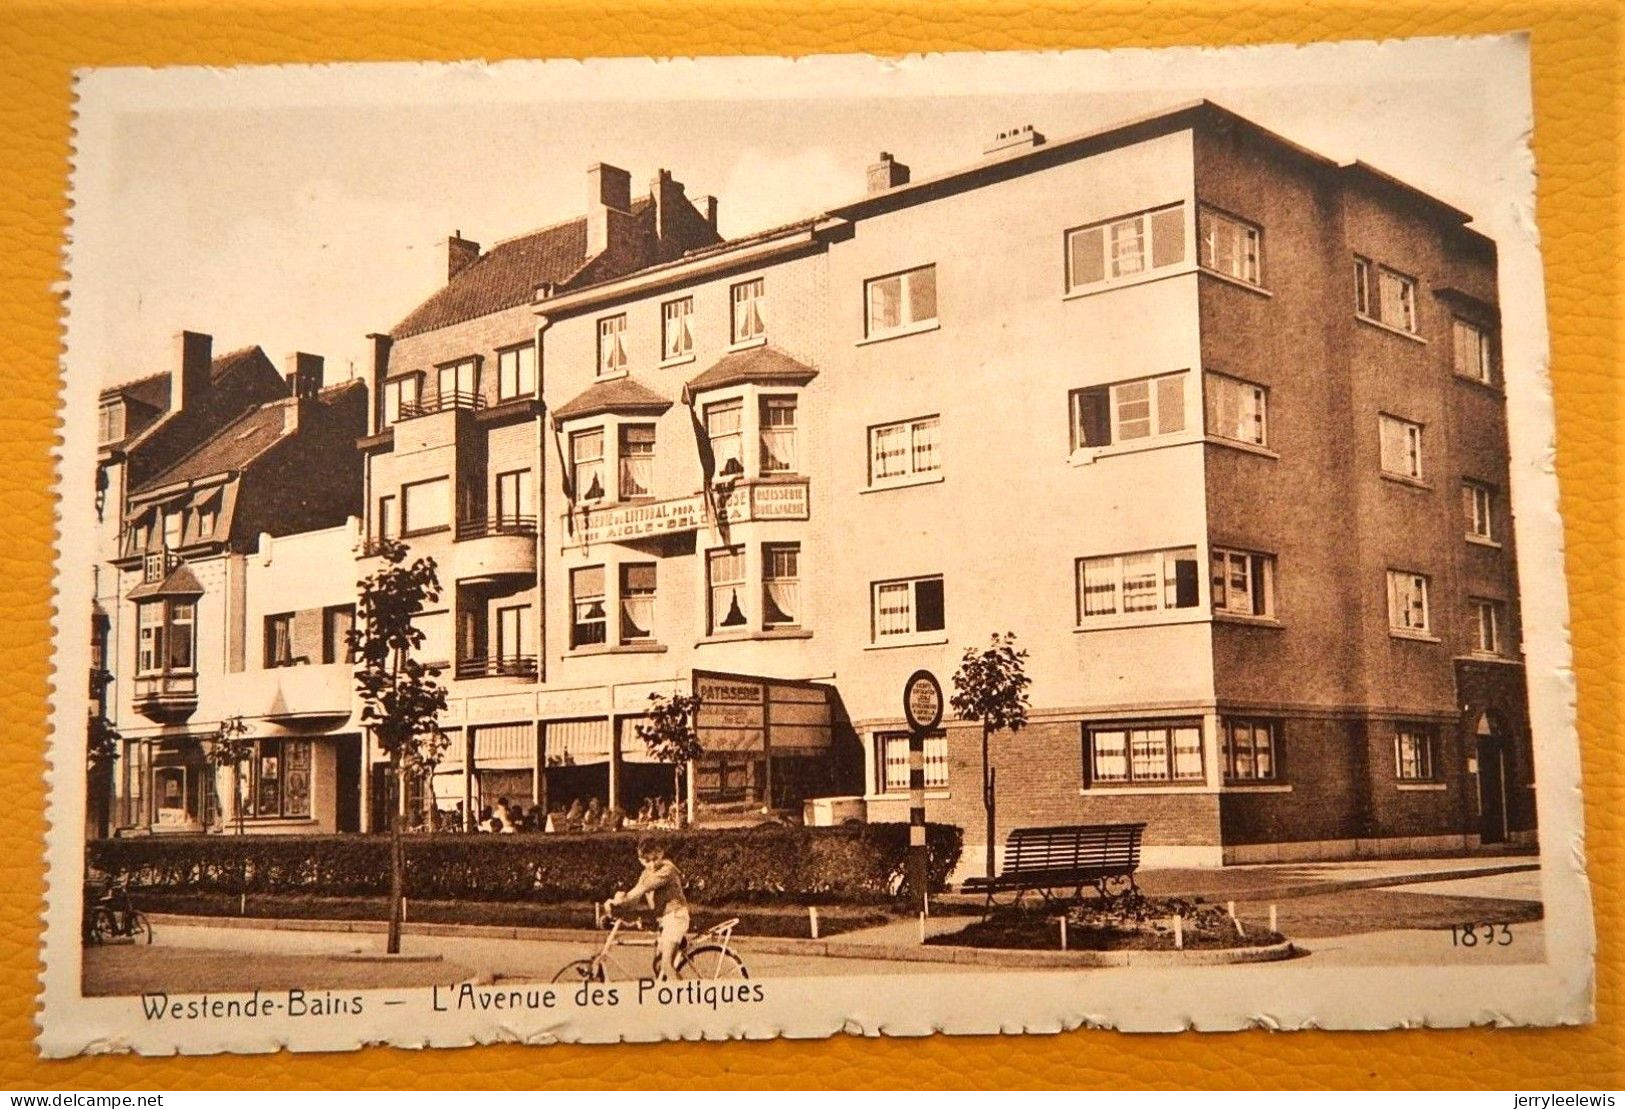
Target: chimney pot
{"points": [[1017, 138], [887, 173]]}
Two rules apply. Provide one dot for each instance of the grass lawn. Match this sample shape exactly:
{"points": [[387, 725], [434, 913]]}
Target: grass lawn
{"points": [[1352, 912], [1131, 923]]}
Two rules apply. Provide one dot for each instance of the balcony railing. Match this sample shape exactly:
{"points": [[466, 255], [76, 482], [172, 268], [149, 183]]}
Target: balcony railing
{"points": [[441, 402], [507, 666], [496, 525], [373, 546]]}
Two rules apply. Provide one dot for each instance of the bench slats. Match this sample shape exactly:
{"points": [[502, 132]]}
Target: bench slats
{"points": [[1062, 855]]}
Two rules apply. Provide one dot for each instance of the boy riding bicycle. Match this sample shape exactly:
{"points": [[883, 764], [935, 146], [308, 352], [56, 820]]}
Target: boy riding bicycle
{"points": [[661, 885]]}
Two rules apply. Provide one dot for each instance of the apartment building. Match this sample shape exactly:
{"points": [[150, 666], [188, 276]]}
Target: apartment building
{"points": [[228, 607]]}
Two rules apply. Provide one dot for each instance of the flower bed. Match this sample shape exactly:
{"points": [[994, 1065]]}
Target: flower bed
{"points": [[1133, 922]]}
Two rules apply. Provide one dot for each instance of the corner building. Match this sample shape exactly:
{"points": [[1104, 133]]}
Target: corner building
{"points": [[1214, 424]]}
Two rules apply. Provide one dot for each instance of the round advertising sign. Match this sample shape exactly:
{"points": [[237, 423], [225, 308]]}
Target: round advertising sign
{"points": [[922, 701]]}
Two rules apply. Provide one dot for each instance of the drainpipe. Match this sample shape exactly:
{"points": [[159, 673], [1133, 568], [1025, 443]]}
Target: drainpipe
{"points": [[542, 513]]}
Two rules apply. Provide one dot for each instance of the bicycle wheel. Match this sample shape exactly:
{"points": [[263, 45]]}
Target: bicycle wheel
{"points": [[711, 963], [582, 970], [140, 927], [102, 926]]}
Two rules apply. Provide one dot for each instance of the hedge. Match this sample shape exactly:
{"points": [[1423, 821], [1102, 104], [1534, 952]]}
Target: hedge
{"points": [[850, 863]]}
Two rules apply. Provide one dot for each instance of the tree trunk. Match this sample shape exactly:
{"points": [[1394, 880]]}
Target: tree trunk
{"points": [[987, 802], [237, 794], [397, 860], [680, 814]]}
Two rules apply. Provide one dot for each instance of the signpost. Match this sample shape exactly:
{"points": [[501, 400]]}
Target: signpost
{"points": [[922, 707]]}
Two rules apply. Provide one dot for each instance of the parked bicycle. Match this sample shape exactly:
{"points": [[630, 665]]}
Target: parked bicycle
{"points": [[113, 916], [708, 956]]}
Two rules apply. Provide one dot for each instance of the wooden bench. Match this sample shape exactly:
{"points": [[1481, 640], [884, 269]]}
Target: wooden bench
{"points": [[1104, 856]]}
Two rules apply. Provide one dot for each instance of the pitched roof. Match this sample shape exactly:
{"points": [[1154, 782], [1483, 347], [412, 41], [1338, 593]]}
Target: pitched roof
{"points": [[620, 394], [152, 391], [239, 443], [764, 365], [181, 582]]}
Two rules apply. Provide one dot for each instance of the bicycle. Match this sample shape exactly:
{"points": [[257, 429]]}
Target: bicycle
{"points": [[709, 959], [113, 916]]}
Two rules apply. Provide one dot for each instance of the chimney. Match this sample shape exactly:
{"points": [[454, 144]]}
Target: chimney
{"points": [[708, 208], [191, 376], [460, 254], [666, 194], [304, 379], [609, 189], [888, 173], [1017, 138], [380, 370]]}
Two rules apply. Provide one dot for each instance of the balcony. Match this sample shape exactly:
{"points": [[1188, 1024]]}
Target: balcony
{"points": [[300, 692], [506, 666], [496, 549], [166, 698], [443, 402]]}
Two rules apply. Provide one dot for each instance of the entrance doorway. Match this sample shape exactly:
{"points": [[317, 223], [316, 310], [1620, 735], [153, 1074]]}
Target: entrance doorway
{"points": [[347, 785], [1492, 786]]}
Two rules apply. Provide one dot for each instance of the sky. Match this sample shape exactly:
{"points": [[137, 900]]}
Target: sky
{"points": [[300, 208]]}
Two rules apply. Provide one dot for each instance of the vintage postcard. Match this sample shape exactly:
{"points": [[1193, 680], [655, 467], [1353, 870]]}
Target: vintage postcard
{"points": [[746, 547]]}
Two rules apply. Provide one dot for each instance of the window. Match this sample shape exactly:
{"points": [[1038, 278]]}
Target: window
{"points": [[637, 601], [724, 425], [1243, 582], [110, 422], [513, 499], [208, 516], [901, 609], [781, 584], [401, 397], [1407, 602], [385, 528], [279, 779], [587, 465], [1413, 753], [1472, 350], [166, 637], [1126, 247], [338, 621], [511, 621], [677, 329], [891, 750], [612, 345], [778, 435], [516, 372], [1227, 245], [1401, 447], [900, 301], [426, 506], [1237, 410], [1150, 753], [1150, 581], [174, 526], [279, 640], [1478, 510], [150, 637], [458, 383], [436, 649], [725, 585], [589, 617], [903, 451], [1251, 749], [1384, 295], [1129, 410], [1487, 621], [748, 319], [637, 460], [182, 636]]}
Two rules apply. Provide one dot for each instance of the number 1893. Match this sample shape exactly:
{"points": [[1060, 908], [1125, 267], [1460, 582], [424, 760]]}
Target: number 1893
{"points": [[1480, 935]]}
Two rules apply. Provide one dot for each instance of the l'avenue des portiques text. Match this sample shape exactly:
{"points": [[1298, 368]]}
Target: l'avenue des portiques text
{"points": [[464, 997]]}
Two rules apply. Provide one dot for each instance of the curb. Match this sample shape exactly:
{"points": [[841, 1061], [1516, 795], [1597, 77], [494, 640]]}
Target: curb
{"points": [[1312, 889]]}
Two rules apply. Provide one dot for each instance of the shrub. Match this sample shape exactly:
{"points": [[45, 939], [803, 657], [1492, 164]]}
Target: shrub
{"points": [[852, 863]]}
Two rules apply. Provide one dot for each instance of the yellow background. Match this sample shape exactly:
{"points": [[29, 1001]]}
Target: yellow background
{"points": [[1576, 71]]}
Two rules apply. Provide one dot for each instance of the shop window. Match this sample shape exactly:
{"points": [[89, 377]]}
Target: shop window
{"points": [[781, 584], [1149, 753], [1128, 410], [725, 585], [1148, 581], [1228, 245], [891, 771], [1126, 247], [900, 302], [1251, 749], [1237, 410], [749, 318], [907, 608], [903, 452], [589, 616], [1413, 753], [279, 779], [1243, 582]]}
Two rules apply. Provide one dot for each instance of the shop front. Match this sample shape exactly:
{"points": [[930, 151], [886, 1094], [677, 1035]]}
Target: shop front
{"points": [[768, 742]]}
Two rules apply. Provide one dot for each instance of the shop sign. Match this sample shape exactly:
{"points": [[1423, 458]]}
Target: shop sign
{"points": [[742, 504]]}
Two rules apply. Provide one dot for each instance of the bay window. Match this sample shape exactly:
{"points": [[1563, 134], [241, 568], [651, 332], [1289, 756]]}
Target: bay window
{"points": [[778, 435], [166, 637], [1148, 581], [637, 460], [724, 425], [587, 465], [1144, 753], [1126, 247]]}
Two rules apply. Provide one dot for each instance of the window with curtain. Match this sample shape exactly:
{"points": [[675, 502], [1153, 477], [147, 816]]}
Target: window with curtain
{"points": [[279, 640], [1228, 245], [637, 460], [589, 617], [1237, 410], [1243, 582], [1413, 753], [150, 637], [1125, 247], [891, 749], [587, 465], [1250, 749], [778, 428], [725, 583], [1401, 442], [1146, 581], [1407, 601], [1149, 753], [612, 356], [900, 301], [338, 621], [637, 601], [1128, 410], [677, 328], [903, 451], [749, 321], [724, 425], [781, 584], [901, 609]]}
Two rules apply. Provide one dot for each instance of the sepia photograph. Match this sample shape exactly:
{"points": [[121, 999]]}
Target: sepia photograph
{"points": [[625, 550]]}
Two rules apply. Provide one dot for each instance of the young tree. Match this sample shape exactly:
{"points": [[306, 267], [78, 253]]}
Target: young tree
{"points": [[231, 748], [670, 737], [101, 752], [990, 686], [400, 699]]}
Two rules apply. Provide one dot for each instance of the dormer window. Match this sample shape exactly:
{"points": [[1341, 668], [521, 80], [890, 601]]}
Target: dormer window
{"points": [[587, 465], [612, 357], [110, 422], [458, 384], [174, 526]]}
